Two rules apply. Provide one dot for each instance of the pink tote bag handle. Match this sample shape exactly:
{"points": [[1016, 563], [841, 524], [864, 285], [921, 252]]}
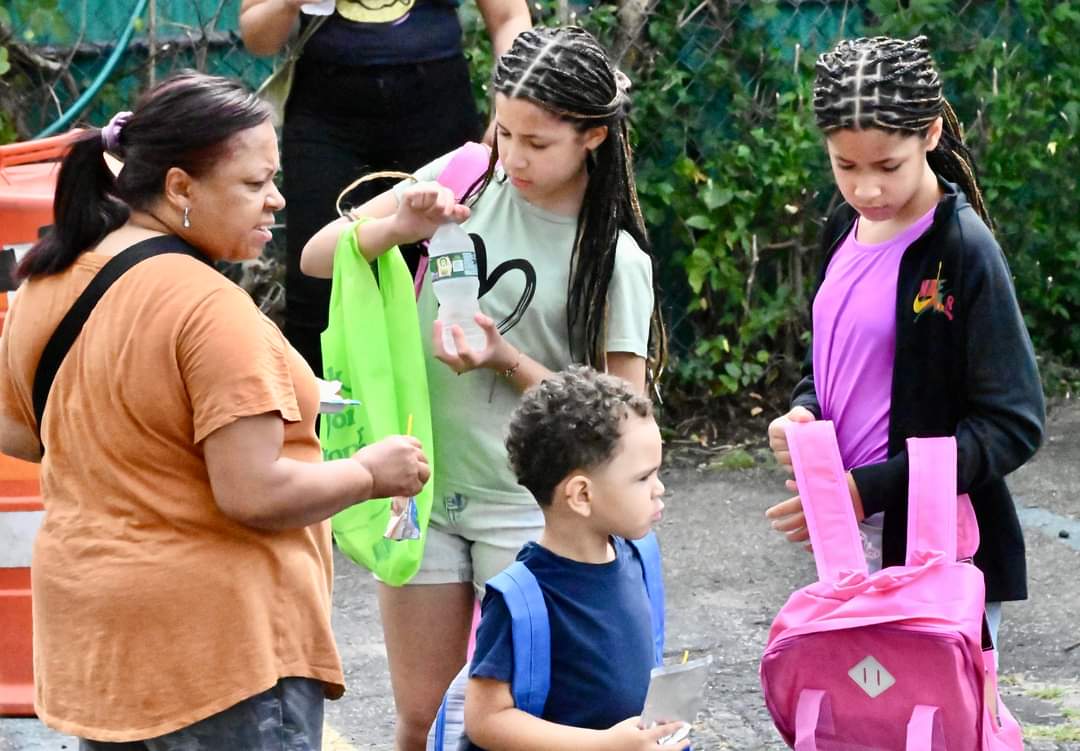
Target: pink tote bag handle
{"points": [[472, 631], [826, 499], [466, 166]]}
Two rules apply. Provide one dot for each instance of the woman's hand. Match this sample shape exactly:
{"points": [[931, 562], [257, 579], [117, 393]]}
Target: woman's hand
{"points": [[423, 207], [628, 735], [778, 436], [789, 519], [397, 466], [497, 354]]}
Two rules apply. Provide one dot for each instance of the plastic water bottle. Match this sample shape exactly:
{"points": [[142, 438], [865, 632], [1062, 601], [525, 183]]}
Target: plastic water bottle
{"points": [[456, 285], [324, 8]]}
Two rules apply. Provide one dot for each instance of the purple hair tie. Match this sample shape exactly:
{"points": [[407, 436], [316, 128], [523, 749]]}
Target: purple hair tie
{"points": [[110, 134]]}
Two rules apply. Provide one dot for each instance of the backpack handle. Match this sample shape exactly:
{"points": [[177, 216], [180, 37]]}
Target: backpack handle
{"points": [[924, 730], [826, 499], [468, 164], [813, 714], [932, 522]]}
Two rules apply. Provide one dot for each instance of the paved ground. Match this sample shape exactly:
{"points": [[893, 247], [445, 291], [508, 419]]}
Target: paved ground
{"points": [[727, 574]]}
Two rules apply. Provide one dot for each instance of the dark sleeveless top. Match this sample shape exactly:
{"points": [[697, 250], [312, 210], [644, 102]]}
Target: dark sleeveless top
{"points": [[396, 33]]}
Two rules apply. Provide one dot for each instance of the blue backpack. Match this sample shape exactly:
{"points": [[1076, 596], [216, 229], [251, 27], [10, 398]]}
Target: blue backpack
{"points": [[531, 636]]}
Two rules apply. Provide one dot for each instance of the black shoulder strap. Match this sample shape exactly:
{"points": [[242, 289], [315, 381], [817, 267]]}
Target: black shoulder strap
{"points": [[67, 331]]}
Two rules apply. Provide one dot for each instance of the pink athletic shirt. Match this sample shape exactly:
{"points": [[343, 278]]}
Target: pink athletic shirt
{"points": [[855, 341]]}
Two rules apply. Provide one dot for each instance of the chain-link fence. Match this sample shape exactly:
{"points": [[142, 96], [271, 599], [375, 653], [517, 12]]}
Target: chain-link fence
{"points": [[57, 49], [732, 173], [735, 182], [62, 53]]}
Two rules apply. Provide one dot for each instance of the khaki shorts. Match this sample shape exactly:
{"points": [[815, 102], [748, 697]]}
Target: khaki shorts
{"points": [[470, 539]]}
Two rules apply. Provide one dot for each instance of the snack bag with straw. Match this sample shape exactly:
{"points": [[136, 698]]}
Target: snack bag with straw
{"points": [[404, 523]]}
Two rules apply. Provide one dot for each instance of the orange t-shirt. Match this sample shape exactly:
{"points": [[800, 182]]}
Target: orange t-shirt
{"points": [[152, 609]]}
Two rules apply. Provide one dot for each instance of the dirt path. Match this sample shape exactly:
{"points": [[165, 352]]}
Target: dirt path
{"points": [[727, 574]]}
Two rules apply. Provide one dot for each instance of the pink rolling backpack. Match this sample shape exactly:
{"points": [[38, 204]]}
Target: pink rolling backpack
{"points": [[891, 661]]}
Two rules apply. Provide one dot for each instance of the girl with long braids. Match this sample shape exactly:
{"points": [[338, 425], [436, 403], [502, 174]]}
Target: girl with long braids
{"points": [[557, 204], [916, 327]]}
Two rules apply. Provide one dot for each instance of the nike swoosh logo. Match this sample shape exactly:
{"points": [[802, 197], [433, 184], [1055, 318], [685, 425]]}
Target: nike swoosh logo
{"points": [[921, 304]]}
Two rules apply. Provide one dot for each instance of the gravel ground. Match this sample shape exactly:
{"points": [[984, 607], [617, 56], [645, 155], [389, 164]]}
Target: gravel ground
{"points": [[727, 574]]}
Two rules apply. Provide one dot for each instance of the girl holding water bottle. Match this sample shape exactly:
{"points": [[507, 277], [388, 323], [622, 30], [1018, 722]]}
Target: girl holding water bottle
{"points": [[570, 276]]}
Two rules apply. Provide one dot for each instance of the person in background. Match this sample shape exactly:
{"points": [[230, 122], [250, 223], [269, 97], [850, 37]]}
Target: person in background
{"points": [[378, 86], [558, 203], [183, 570]]}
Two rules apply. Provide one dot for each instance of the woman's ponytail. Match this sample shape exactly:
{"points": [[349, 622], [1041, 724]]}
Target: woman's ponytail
{"points": [[85, 209], [186, 121]]}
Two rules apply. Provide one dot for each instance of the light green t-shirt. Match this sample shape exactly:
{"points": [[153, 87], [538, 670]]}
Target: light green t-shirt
{"points": [[470, 412]]}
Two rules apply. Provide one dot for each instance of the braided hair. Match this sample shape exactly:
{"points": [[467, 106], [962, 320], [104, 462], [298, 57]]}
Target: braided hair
{"points": [[893, 85], [566, 72]]}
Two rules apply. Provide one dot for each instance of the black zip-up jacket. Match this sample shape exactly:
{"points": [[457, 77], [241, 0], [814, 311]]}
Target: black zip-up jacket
{"points": [[964, 367]]}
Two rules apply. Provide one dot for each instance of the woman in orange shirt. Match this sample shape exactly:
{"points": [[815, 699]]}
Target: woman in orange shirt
{"points": [[182, 574]]}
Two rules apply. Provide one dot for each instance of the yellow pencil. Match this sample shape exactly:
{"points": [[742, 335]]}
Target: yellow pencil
{"points": [[408, 425], [685, 656]]}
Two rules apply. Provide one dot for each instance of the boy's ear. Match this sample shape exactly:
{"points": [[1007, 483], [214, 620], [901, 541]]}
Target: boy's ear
{"points": [[576, 491]]}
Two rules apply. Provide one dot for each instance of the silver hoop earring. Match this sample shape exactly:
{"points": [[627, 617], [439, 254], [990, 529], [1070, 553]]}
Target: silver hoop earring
{"points": [[187, 217]]}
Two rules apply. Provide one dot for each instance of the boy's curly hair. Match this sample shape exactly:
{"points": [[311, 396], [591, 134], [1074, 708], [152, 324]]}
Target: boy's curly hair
{"points": [[572, 420]]}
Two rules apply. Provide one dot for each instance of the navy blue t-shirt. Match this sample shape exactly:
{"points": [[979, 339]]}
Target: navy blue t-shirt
{"points": [[601, 637], [412, 32]]}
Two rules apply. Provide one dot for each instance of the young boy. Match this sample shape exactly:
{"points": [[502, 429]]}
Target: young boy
{"points": [[589, 451]]}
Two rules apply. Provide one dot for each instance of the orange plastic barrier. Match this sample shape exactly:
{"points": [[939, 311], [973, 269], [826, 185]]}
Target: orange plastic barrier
{"points": [[27, 182], [28, 173], [16, 624], [20, 516]]}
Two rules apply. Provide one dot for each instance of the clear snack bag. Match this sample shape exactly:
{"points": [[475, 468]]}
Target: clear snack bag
{"points": [[676, 694], [403, 524]]}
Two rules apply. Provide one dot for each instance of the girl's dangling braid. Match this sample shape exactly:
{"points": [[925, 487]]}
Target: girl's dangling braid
{"points": [[892, 84], [566, 72]]}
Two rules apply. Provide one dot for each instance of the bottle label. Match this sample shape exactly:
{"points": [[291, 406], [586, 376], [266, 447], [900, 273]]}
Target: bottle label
{"points": [[453, 266]]}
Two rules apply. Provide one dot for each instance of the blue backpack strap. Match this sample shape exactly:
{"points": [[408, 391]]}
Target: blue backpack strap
{"points": [[440, 724], [648, 552], [531, 636]]}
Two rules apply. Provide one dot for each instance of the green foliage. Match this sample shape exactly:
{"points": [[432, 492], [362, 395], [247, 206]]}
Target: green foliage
{"points": [[739, 204], [735, 184], [735, 459], [35, 19], [22, 24], [1012, 76], [732, 175]]}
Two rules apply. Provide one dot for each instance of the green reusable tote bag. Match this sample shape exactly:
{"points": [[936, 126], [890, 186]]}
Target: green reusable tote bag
{"points": [[372, 345]]}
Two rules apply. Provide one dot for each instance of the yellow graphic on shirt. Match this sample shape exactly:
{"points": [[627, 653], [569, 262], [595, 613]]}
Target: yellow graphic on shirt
{"points": [[933, 295], [375, 11]]}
